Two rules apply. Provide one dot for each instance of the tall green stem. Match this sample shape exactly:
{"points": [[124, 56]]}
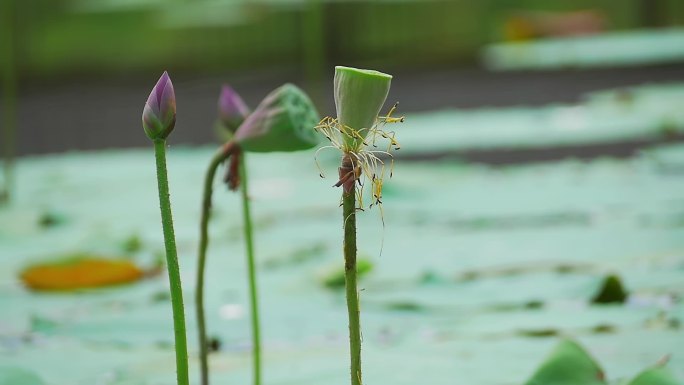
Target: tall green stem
{"points": [[216, 161], [251, 267], [172, 264], [349, 218]]}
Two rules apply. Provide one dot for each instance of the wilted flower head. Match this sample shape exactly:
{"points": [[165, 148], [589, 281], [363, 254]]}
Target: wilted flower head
{"points": [[232, 110], [159, 114], [283, 121], [359, 96]]}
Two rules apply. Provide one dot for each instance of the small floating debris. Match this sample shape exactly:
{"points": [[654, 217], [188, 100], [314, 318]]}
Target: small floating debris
{"points": [[405, 306], [538, 333], [79, 272], [50, 219], [132, 244]]}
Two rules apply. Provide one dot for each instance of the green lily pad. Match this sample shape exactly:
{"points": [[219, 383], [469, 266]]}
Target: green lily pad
{"points": [[568, 364], [50, 219], [335, 278], [10, 375], [658, 375], [132, 244], [612, 291]]}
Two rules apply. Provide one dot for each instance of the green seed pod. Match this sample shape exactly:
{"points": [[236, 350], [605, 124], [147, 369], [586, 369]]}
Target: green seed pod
{"points": [[359, 96], [283, 121]]}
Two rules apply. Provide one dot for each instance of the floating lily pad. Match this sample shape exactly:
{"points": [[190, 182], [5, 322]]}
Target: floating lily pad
{"points": [[538, 333], [297, 256], [16, 376], [79, 272], [132, 244], [612, 291], [658, 375], [405, 306], [335, 278], [568, 364], [51, 219]]}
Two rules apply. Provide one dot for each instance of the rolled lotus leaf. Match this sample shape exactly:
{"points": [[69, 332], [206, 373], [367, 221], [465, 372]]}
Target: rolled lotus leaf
{"points": [[568, 364], [359, 96], [283, 121]]}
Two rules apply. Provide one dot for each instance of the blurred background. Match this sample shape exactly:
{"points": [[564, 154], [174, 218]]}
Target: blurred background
{"points": [[538, 193], [84, 67]]}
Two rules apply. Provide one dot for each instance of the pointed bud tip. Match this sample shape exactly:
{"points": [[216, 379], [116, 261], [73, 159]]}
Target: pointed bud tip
{"points": [[159, 114], [232, 110]]}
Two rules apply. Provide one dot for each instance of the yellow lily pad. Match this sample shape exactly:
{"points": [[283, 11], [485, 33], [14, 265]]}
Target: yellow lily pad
{"points": [[80, 272]]}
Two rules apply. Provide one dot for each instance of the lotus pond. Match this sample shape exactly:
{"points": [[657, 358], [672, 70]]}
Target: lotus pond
{"points": [[476, 274]]}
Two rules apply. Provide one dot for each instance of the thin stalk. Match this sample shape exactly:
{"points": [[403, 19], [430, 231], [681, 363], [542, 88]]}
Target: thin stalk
{"points": [[172, 264], [349, 221], [216, 161], [251, 267]]}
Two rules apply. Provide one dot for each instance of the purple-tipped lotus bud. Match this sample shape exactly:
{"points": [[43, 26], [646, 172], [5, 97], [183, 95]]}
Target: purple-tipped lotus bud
{"points": [[232, 110], [159, 114]]}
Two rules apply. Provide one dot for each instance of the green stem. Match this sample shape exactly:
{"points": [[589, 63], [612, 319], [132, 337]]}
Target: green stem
{"points": [[10, 97], [349, 217], [249, 242], [216, 161], [172, 264]]}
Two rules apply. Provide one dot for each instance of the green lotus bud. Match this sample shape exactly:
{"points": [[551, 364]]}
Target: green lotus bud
{"points": [[359, 96], [283, 121]]}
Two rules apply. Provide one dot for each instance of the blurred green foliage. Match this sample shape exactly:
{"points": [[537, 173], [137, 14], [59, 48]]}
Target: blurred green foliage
{"points": [[74, 37]]}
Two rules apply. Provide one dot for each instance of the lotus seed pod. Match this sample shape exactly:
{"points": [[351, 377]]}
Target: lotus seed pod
{"points": [[359, 96], [283, 121], [159, 114]]}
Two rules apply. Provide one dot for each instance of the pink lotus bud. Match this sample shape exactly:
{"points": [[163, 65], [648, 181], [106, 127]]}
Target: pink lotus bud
{"points": [[159, 114], [232, 110]]}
